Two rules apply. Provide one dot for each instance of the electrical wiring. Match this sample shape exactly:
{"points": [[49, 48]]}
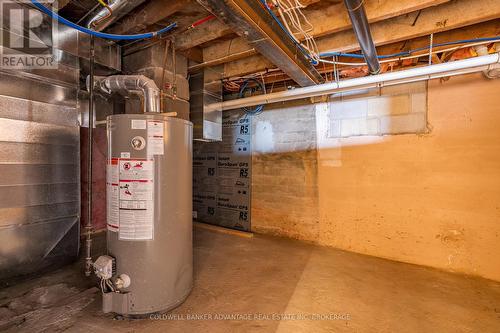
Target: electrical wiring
{"points": [[102, 3], [277, 72], [70, 24], [290, 10], [165, 58], [232, 86], [408, 53], [101, 284], [203, 20], [244, 87], [254, 75], [110, 285], [410, 56], [290, 34]]}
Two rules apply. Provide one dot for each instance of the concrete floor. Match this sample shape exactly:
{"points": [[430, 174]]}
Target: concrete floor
{"points": [[265, 276]]}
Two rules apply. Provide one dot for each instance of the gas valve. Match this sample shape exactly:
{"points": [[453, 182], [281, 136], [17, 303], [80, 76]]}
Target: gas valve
{"points": [[105, 267]]}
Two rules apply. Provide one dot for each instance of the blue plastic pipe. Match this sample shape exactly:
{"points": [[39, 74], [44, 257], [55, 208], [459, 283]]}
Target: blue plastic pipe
{"points": [[70, 24], [407, 53]]}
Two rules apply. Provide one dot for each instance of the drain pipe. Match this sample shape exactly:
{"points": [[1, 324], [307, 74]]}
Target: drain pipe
{"points": [[125, 84], [472, 65], [88, 225], [361, 28]]}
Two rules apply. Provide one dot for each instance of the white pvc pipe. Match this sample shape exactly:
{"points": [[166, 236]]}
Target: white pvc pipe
{"points": [[459, 67]]}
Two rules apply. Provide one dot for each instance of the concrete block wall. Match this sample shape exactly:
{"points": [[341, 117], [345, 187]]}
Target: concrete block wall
{"points": [[284, 168], [388, 110], [429, 197]]}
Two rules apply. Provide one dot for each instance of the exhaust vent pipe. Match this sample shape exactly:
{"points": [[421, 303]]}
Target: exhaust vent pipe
{"points": [[125, 84], [361, 28]]}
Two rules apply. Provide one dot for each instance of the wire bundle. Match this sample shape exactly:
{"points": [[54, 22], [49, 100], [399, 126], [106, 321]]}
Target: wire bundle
{"points": [[298, 25], [245, 88], [299, 45], [232, 86], [295, 23]]}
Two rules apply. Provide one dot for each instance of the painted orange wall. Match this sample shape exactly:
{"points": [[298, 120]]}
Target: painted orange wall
{"points": [[431, 199]]}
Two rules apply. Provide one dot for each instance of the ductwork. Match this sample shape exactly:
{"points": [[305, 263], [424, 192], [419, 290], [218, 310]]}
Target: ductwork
{"points": [[125, 84], [119, 8], [361, 28]]}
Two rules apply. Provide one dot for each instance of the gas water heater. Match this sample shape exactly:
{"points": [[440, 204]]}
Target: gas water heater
{"points": [[149, 265]]}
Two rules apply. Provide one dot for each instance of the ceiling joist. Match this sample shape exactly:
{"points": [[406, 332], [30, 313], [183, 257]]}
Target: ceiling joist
{"points": [[250, 19], [448, 16], [146, 15], [279, 81], [326, 20]]}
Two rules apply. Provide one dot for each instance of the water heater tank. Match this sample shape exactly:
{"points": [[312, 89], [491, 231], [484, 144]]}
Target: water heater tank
{"points": [[149, 213]]}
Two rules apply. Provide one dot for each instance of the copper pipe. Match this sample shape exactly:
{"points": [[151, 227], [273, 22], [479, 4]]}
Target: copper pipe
{"points": [[104, 18]]}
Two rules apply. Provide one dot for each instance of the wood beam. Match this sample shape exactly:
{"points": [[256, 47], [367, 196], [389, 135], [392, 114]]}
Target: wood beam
{"points": [[327, 20], [146, 15], [208, 32], [253, 22], [212, 30], [195, 54], [480, 30], [452, 15], [184, 41]]}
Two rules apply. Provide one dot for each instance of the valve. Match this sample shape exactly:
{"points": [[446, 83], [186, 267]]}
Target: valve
{"points": [[123, 281]]}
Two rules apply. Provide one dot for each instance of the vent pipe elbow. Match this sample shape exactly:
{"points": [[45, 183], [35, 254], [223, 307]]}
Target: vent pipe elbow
{"points": [[361, 28], [125, 84], [101, 18]]}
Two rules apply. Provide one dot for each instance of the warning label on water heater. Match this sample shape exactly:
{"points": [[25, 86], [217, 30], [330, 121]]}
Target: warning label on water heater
{"points": [[135, 199], [155, 138], [112, 192]]}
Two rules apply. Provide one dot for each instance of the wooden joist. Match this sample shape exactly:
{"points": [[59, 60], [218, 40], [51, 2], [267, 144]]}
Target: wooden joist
{"points": [[148, 14], [206, 33], [327, 20], [452, 15], [161, 9], [213, 30], [480, 30]]}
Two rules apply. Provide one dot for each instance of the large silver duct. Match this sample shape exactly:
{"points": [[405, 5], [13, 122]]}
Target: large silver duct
{"points": [[125, 84], [361, 28], [96, 19]]}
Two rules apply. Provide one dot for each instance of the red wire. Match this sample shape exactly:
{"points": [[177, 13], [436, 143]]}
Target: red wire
{"points": [[203, 20]]}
